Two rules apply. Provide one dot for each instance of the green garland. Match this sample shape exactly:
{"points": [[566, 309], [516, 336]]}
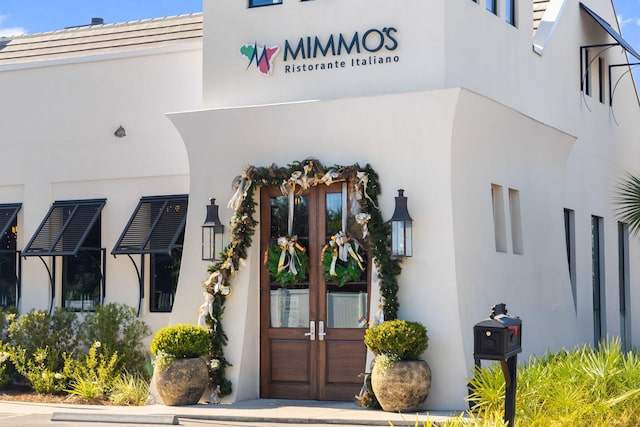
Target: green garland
{"points": [[307, 172]]}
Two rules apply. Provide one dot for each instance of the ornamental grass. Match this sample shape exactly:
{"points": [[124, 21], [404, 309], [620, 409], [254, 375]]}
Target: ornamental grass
{"points": [[581, 387]]}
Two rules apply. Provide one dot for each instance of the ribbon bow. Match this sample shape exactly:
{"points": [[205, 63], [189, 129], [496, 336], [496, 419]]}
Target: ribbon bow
{"points": [[329, 177], [299, 180], [240, 185], [288, 254], [360, 188], [363, 219], [342, 246], [205, 309]]}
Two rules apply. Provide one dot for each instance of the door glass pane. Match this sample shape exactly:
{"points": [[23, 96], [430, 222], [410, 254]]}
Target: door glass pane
{"points": [[334, 213], [289, 306], [280, 217], [347, 307]]}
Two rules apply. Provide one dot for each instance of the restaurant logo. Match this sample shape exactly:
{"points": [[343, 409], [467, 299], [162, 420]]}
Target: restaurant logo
{"points": [[260, 57], [312, 53]]}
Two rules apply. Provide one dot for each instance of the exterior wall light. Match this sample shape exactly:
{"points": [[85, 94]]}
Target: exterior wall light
{"points": [[212, 232], [401, 242], [120, 132]]}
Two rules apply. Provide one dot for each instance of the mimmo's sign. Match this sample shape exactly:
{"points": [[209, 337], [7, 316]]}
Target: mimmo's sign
{"points": [[312, 53]]}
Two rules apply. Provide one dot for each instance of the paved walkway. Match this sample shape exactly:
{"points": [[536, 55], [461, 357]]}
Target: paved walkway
{"points": [[260, 410]]}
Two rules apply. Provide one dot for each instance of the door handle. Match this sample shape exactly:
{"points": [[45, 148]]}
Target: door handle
{"points": [[312, 331], [321, 332]]}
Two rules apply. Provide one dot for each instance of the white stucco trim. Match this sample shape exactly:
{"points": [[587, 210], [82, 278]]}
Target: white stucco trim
{"points": [[193, 46], [548, 25]]}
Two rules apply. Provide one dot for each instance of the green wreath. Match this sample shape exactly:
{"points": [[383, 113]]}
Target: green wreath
{"points": [[287, 262], [337, 270]]}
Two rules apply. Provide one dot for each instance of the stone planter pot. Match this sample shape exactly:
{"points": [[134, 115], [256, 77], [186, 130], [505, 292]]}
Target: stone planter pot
{"points": [[183, 382], [403, 386]]}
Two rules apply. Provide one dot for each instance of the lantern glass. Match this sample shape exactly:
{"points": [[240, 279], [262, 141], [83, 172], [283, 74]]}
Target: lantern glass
{"points": [[401, 245], [212, 232], [401, 228]]}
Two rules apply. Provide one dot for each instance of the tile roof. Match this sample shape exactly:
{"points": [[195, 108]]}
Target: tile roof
{"points": [[90, 40]]}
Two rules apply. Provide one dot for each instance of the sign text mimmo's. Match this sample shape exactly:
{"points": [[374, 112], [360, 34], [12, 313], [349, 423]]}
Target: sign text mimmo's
{"points": [[375, 46]]}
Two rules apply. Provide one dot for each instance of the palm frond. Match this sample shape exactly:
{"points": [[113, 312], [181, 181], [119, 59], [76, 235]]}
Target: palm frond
{"points": [[628, 202]]}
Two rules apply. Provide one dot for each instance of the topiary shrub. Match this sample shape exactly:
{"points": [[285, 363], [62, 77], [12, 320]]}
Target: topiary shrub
{"points": [[397, 339], [182, 341]]}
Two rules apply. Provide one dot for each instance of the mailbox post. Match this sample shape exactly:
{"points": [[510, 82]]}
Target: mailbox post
{"points": [[500, 338]]}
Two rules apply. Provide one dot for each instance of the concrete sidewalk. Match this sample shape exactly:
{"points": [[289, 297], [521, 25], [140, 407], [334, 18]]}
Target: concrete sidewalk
{"points": [[259, 410]]}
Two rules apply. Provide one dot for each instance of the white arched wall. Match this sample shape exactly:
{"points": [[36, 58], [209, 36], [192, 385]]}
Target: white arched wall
{"points": [[406, 139]]}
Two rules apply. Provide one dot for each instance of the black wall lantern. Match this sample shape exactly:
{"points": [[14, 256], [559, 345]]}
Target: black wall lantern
{"points": [[212, 232], [401, 242]]}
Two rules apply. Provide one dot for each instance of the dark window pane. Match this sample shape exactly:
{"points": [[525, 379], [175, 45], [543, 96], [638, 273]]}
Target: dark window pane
{"points": [[256, 3], [165, 271], [82, 274]]}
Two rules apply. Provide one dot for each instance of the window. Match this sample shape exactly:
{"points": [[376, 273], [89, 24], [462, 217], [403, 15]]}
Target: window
{"points": [[601, 73], [570, 241], [623, 284], [516, 222], [586, 79], [510, 11], [165, 270], [492, 6], [597, 274], [71, 230], [156, 228], [9, 256], [258, 3], [499, 221], [82, 273]]}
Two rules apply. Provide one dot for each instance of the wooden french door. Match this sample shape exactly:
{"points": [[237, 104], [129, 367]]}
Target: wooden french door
{"points": [[311, 334]]}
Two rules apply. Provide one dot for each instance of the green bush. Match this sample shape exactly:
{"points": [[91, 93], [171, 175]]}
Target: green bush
{"points": [[42, 369], [397, 339], [7, 315], [5, 365], [59, 332], [118, 330], [46, 348], [182, 341], [40, 347]]}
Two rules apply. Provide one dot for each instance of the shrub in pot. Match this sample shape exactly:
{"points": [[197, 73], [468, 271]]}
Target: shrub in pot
{"points": [[181, 374], [400, 379]]}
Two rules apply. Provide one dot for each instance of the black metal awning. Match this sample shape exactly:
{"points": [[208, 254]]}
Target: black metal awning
{"points": [[612, 32], [8, 213], [65, 228], [155, 226]]}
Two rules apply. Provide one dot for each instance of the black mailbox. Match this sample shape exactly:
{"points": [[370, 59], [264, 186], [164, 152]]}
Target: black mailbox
{"points": [[499, 337]]}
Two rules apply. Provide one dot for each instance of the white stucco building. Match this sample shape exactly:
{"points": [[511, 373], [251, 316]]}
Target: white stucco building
{"points": [[508, 129]]}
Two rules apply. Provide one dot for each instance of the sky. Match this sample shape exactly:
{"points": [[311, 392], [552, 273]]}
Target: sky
{"points": [[36, 16], [628, 12]]}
